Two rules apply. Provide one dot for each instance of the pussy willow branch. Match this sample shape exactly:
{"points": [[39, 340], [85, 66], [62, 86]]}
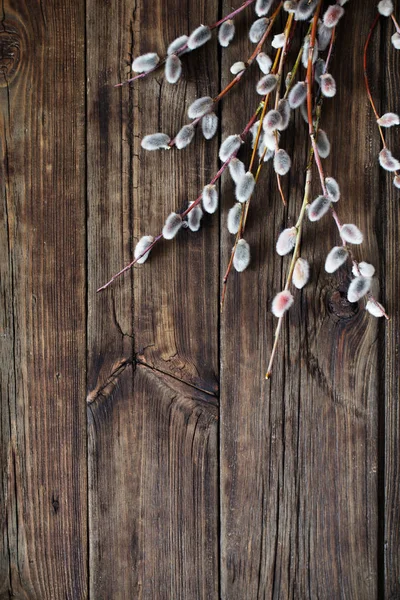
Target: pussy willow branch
{"points": [[367, 80], [231, 15]]}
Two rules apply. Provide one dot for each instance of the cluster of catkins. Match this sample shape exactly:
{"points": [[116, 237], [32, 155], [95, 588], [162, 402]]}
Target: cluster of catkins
{"points": [[266, 137]]}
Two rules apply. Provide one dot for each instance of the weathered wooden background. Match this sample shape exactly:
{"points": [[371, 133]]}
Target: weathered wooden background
{"points": [[142, 455]]}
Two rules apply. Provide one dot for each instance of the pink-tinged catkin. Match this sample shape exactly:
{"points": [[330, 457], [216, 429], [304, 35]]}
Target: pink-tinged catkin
{"points": [[396, 40], [264, 62], [234, 216], [363, 268], [237, 67], [257, 30], [336, 258], [389, 119], [284, 111], [350, 233], [145, 62], [301, 273], [226, 33], [318, 208], [271, 121], [297, 94], [281, 303], [200, 36], [358, 288], [184, 136], [200, 107], [236, 169], [245, 187], [140, 248], [155, 141], [241, 258], [286, 241], [385, 8], [328, 85], [282, 162], [387, 160], [305, 9], [375, 309], [332, 15], [263, 7], [323, 144], [209, 125], [194, 217], [176, 47], [173, 68], [267, 84], [210, 198], [172, 225], [332, 188], [229, 146]]}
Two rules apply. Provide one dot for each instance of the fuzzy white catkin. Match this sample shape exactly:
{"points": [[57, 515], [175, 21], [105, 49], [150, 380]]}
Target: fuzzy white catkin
{"points": [[184, 136], [396, 40], [194, 217], [236, 169], [387, 160], [328, 85], [141, 247], [332, 15], [323, 144], [241, 258], [389, 119], [200, 107], [284, 111], [278, 40], [332, 187], [282, 162], [172, 225], [304, 57], [229, 146], [286, 241], [257, 30], [297, 94], [263, 7], [226, 33], [358, 288], [305, 9], [237, 67], [234, 216], [264, 62], [385, 7], [209, 125], [375, 309], [173, 68], [301, 273], [319, 69], [245, 187], [200, 36], [350, 233], [155, 141], [253, 132], [281, 303], [290, 6], [177, 45], [210, 198], [336, 258], [267, 84], [363, 268], [318, 208], [324, 36], [272, 120], [145, 62], [396, 181]]}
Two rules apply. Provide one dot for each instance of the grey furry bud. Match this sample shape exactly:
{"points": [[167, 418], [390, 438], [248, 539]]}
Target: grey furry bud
{"points": [[358, 288], [237, 67], [209, 125], [396, 181], [284, 111], [375, 309], [332, 15], [194, 217], [267, 84], [336, 258], [172, 226], [306, 47], [282, 162], [332, 188], [177, 45], [324, 36], [319, 70], [301, 273], [141, 247], [199, 37], [184, 136], [229, 146], [278, 40], [363, 268], [286, 241], [396, 40], [226, 33], [155, 141], [264, 62], [387, 160], [258, 29], [350, 233], [269, 140], [272, 119], [297, 94], [318, 208], [389, 119], [234, 216], [328, 85], [305, 9], [173, 68], [323, 144], [236, 169], [385, 7], [145, 62], [210, 198], [241, 259], [263, 7], [200, 107], [245, 187]]}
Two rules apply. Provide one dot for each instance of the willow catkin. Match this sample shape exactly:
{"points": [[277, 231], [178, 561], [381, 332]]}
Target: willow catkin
{"points": [[184, 136], [281, 303], [194, 217], [323, 144], [332, 15], [396, 40], [375, 309], [266, 84], [324, 36], [210, 198], [145, 62], [286, 241], [385, 8], [209, 125], [257, 30], [332, 188], [229, 146], [155, 141], [388, 161], [226, 33], [236, 169], [245, 187], [297, 94], [396, 181], [264, 62], [328, 85], [141, 247], [200, 36], [272, 119], [358, 288], [284, 111], [237, 67], [173, 68], [305, 9], [263, 7], [282, 162], [363, 268], [389, 119], [350, 233], [241, 258], [306, 47], [336, 258], [172, 225], [200, 107], [301, 273], [319, 69], [278, 41], [318, 208], [234, 216], [177, 45]]}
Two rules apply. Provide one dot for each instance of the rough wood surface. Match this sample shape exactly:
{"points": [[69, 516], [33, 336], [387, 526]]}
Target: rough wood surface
{"points": [[141, 453]]}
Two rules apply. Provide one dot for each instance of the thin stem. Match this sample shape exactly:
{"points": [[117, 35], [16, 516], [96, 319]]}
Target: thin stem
{"points": [[395, 23], [366, 80], [233, 14]]}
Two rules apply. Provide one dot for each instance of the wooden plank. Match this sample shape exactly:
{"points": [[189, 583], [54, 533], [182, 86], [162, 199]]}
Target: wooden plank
{"points": [[299, 454], [42, 110], [153, 499]]}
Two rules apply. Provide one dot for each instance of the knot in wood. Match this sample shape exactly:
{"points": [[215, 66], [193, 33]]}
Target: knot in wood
{"points": [[10, 54], [339, 306]]}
